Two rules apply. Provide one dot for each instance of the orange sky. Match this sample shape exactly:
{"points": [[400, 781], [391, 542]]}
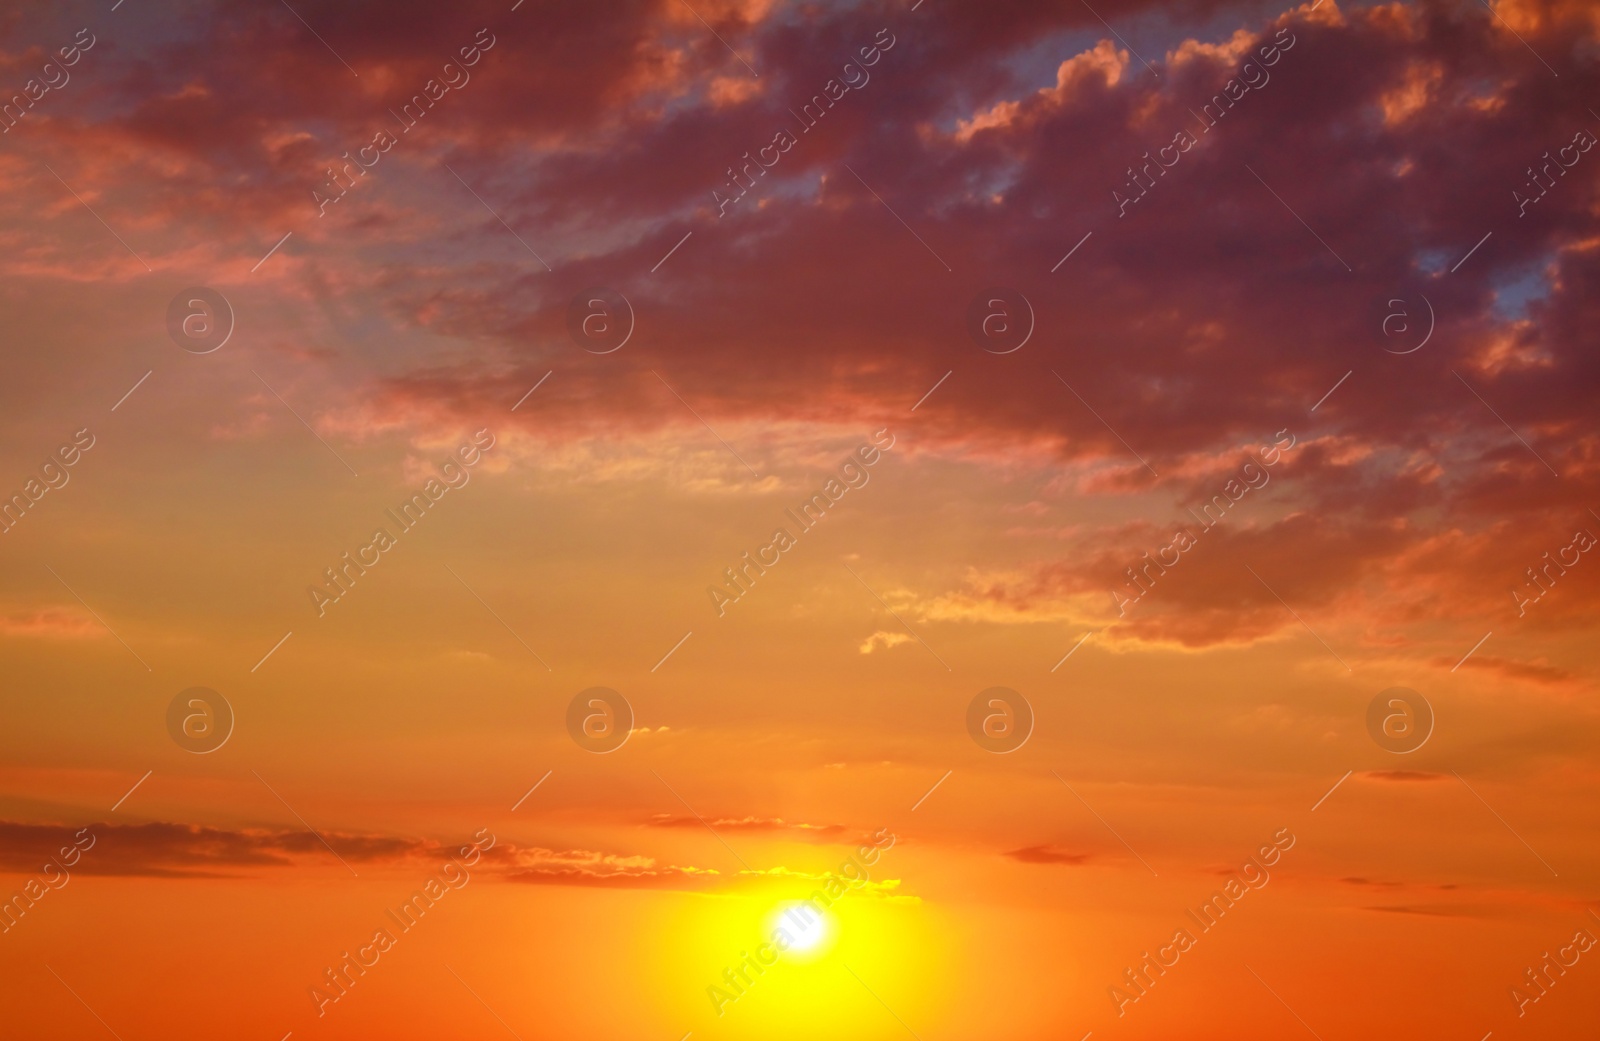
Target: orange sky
{"points": [[538, 540]]}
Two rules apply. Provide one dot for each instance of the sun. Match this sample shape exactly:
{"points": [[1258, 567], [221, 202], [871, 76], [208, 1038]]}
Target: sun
{"points": [[800, 927]]}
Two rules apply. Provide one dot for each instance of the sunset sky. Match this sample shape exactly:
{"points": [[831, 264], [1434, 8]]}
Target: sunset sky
{"points": [[1026, 472]]}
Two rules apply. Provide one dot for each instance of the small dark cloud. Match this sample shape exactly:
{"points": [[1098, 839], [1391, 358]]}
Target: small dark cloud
{"points": [[651, 878], [773, 824], [166, 850], [1427, 911], [1046, 855]]}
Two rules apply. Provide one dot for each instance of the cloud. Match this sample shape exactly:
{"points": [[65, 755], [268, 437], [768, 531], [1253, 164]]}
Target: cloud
{"points": [[562, 113], [1429, 910], [884, 888], [1540, 672], [1420, 491], [165, 850], [1046, 855], [750, 823], [886, 640], [630, 878], [51, 623]]}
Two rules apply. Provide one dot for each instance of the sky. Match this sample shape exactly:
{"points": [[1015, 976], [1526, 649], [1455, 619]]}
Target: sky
{"points": [[765, 520]]}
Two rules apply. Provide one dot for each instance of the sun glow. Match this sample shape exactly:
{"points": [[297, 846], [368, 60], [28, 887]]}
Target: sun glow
{"points": [[799, 927]]}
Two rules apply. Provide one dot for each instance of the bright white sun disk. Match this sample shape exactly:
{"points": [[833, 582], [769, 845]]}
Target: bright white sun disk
{"points": [[806, 925]]}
